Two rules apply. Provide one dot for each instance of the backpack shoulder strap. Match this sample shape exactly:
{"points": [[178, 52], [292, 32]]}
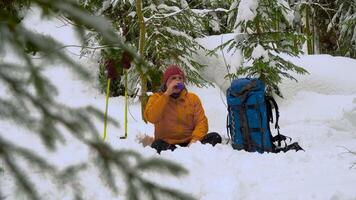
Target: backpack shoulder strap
{"points": [[270, 101], [228, 126]]}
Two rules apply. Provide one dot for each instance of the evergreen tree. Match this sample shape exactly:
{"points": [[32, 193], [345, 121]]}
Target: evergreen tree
{"points": [[263, 33], [31, 102], [170, 32], [214, 14], [329, 25], [325, 41], [344, 21], [312, 18], [126, 26], [170, 29]]}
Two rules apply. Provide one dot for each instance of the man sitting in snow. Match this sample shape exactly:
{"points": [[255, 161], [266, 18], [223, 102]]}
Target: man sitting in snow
{"points": [[177, 114]]}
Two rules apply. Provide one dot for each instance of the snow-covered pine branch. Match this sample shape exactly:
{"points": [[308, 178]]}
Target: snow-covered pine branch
{"points": [[262, 34]]}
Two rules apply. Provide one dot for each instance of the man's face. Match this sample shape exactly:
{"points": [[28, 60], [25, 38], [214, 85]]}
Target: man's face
{"points": [[175, 79]]}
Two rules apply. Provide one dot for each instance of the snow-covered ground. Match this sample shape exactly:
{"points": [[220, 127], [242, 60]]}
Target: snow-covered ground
{"points": [[319, 112]]}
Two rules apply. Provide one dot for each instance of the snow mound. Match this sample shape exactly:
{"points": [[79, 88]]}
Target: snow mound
{"points": [[324, 70], [327, 75]]}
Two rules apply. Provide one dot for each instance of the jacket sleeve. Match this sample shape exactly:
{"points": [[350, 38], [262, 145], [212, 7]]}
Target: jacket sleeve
{"points": [[200, 121], [155, 107]]}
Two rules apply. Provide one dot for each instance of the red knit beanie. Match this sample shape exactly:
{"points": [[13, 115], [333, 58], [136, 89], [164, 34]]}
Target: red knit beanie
{"points": [[170, 71]]}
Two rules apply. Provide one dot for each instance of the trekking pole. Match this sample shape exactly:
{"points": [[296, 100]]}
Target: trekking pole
{"points": [[106, 107], [126, 106], [111, 75], [126, 64]]}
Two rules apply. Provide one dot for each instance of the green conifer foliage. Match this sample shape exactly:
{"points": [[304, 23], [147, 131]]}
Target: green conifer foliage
{"points": [[214, 14], [329, 25], [171, 28], [344, 21], [262, 37]]}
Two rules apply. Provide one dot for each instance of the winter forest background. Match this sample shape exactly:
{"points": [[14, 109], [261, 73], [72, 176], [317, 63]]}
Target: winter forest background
{"points": [[51, 144]]}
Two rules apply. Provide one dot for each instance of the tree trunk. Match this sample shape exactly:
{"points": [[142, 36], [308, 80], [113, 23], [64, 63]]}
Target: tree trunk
{"points": [[317, 27], [313, 33], [143, 96], [307, 30]]}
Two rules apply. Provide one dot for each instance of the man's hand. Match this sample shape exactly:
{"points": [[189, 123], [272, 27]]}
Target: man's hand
{"points": [[171, 87]]}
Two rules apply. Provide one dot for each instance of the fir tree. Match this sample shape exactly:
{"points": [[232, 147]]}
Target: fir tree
{"points": [[213, 14], [263, 33], [344, 21], [324, 41], [170, 29], [31, 102], [311, 20], [328, 25]]}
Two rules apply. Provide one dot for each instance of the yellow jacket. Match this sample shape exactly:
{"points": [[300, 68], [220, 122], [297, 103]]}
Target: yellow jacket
{"points": [[177, 120]]}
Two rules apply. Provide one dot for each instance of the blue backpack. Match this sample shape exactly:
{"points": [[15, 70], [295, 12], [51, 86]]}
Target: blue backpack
{"points": [[249, 117]]}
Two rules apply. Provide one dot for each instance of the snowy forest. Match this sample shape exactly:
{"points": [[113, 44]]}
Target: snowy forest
{"points": [[53, 94]]}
